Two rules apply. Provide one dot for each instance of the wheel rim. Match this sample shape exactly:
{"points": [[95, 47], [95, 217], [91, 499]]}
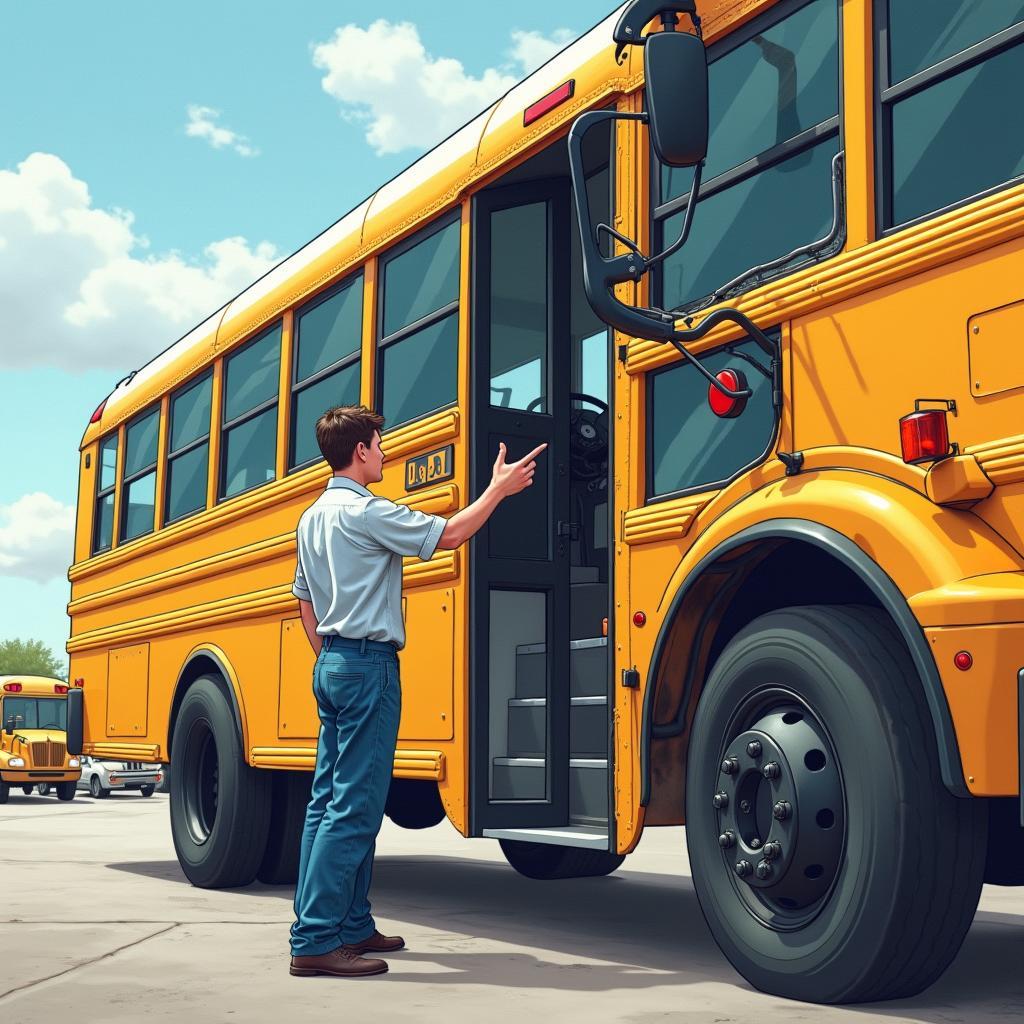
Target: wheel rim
{"points": [[94, 786], [780, 809], [200, 781]]}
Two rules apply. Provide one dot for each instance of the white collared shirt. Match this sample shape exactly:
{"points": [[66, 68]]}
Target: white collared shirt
{"points": [[350, 545]]}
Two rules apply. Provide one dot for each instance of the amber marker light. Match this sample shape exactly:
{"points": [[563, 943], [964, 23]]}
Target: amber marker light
{"points": [[963, 660]]}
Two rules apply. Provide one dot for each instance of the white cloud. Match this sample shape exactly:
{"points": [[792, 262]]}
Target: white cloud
{"points": [[36, 538], [202, 124], [75, 291], [384, 76]]}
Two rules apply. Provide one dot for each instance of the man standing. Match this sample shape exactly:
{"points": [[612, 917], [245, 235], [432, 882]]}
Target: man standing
{"points": [[348, 580]]}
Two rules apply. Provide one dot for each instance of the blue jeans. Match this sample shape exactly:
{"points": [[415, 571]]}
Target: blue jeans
{"points": [[359, 699]]}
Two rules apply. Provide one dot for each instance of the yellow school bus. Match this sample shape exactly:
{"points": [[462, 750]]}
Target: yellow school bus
{"points": [[33, 737], [753, 270]]}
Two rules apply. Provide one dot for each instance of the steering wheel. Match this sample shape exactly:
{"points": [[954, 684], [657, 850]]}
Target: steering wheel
{"points": [[588, 436]]}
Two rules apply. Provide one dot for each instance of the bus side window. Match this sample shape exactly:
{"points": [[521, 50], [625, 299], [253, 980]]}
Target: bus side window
{"points": [[103, 523], [419, 347], [138, 488], [188, 456], [249, 420], [325, 369]]}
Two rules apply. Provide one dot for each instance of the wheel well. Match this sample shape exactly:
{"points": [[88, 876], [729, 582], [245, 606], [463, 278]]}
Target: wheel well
{"points": [[202, 664], [729, 592]]}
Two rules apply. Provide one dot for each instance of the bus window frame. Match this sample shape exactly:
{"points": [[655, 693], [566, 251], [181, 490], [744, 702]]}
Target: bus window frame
{"points": [[453, 216], [274, 401], [353, 279], [126, 481], [774, 332], [659, 213], [887, 95], [185, 449], [104, 492]]}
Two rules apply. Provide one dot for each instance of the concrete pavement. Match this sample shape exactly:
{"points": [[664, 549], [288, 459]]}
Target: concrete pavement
{"points": [[99, 924]]}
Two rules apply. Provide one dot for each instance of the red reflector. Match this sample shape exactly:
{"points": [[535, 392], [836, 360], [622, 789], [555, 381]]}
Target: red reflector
{"points": [[12, 687], [639, 618], [924, 436], [722, 405], [547, 103], [60, 688], [95, 418], [963, 660], [79, 682]]}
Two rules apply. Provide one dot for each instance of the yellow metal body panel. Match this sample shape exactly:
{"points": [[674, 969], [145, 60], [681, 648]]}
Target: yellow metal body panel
{"points": [[128, 691]]}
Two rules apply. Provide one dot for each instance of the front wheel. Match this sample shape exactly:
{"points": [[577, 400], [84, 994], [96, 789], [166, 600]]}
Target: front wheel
{"points": [[819, 831], [148, 790], [543, 861], [27, 790], [66, 790], [220, 806]]}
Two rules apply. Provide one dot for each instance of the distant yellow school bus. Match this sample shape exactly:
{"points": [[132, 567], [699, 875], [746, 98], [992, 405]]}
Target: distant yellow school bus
{"points": [[769, 581]]}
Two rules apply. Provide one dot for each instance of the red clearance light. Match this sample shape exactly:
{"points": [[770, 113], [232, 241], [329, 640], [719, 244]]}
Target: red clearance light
{"points": [[639, 618], [60, 688], [79, 682], [95, 418], [12, 687], [548, 103], [963, 660], [924, 436], [722, 405]]}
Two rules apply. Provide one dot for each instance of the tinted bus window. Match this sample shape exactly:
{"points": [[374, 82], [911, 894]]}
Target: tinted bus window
{"points": [[189, 455]]}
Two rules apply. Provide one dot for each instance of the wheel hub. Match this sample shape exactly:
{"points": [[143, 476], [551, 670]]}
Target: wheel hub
{"points": [[780, 810]]}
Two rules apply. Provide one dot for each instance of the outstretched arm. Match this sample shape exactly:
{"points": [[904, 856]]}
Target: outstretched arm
{"points": [[506, 478]]}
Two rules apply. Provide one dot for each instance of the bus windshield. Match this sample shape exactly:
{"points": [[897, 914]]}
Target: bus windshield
{"points": [[35, 713]]}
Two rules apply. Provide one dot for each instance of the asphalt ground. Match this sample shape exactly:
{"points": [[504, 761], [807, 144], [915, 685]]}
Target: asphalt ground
{"points": [[98, 923]]}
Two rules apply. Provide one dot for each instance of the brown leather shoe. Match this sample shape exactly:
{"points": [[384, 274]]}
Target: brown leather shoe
{"points": [[339, 963], [376, 943]]}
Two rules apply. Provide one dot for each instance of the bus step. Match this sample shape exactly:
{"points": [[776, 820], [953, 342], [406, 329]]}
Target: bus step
{"points": [[588, 668], [523, 778], [571, 835], [588, 726]]}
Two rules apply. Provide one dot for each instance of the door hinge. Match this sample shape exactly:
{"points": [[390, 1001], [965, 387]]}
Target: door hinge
{"points": [[631, 679]]}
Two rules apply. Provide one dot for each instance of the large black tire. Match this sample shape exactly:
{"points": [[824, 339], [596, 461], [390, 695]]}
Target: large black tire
{"points": [[5, 792], [44, 789], [289, 799], [414, 804], [66, 790], [220, 806], [27, 790], [147, 790], [543, 861], [96, 790], [876, 876]]}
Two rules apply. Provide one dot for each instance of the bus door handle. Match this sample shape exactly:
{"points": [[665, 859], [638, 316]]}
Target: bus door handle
{"points": [[570, 530]]}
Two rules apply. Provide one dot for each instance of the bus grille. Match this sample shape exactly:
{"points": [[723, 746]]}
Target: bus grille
{"points": [[48, 754]]}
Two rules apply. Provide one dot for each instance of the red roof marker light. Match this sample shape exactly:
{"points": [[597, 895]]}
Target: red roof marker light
{"points": [[95, 418], [555, 98]]}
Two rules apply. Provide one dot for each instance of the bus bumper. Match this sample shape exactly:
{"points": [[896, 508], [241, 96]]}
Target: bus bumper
{"points": [[30, 776]]}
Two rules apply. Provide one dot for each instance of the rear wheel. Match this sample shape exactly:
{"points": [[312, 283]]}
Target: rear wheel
{"points": [[220, 806], [96, 790], [43, 789], [27, 790], [818, 827], [543, 861], [289, 799], [66, 790], [414, 804]]}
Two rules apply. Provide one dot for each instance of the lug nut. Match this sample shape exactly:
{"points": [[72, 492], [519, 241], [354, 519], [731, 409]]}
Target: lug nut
{"points": [[772, 850], [780, 812], [755, 843], [720, 800], [727, 839], [745, 806], [754, 748], [764, 869], [743, 868], [730, 766], [771, 770]]}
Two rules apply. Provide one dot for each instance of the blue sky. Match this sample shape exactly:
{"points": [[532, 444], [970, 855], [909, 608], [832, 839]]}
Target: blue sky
{"points": [[154, 159]]}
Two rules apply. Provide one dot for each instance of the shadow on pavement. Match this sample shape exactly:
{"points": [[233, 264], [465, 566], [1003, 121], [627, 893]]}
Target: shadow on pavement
{"points": [[647, 927]]}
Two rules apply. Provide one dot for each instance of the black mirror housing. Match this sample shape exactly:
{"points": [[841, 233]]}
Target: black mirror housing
{"points": [[76, 720], [676, 70]]}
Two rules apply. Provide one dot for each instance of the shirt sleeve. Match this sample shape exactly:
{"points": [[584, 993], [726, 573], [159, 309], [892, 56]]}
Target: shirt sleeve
{"points": [[300, 588], [403, 530]]}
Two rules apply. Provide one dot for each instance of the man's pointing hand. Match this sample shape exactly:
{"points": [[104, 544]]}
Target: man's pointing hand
{"points": [[512, 477]]}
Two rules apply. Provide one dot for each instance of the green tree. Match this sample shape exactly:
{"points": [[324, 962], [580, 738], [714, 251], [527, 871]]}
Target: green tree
{"points": [[29, 658]]}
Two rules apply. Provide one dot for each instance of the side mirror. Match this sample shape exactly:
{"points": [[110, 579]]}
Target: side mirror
{"points": [[9, 726], [76, 721], [676, 73]]}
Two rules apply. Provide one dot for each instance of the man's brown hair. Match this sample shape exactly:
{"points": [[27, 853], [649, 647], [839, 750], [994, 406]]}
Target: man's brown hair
{"points": [[339, 430]]}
